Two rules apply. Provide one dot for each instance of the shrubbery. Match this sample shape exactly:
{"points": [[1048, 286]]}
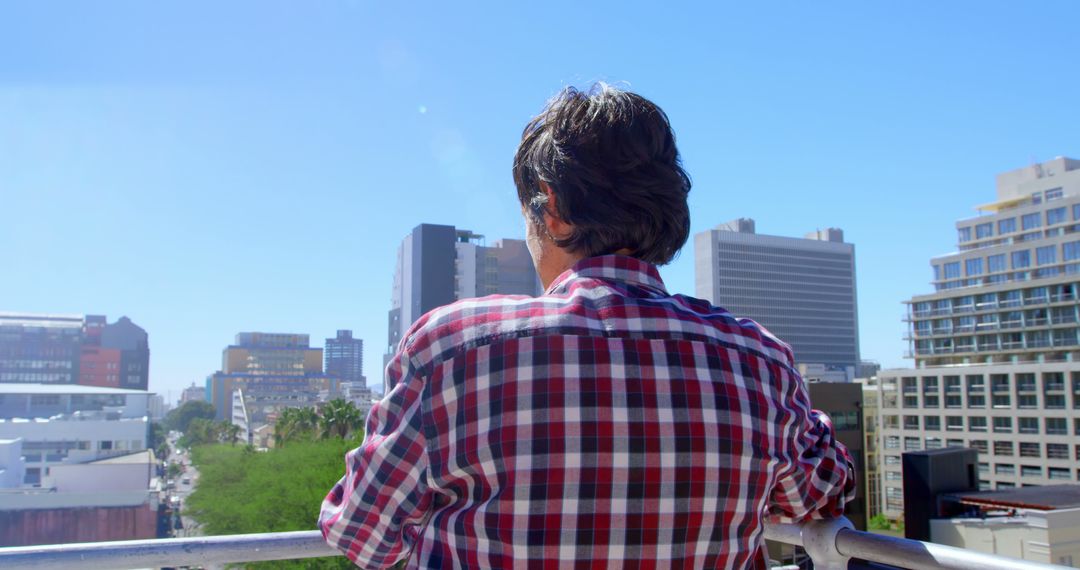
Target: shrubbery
{"points": [[241, 490]]}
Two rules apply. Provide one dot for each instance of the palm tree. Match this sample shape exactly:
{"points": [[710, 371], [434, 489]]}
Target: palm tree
{"points": [[230, 432], [339, 418], [293, 423]]}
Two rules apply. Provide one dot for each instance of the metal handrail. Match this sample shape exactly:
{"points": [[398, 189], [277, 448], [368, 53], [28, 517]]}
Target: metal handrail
{"points": [[831, 544]]}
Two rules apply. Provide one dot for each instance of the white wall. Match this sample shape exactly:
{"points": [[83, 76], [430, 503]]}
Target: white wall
{"points": [[99, 477], [12, 466]]}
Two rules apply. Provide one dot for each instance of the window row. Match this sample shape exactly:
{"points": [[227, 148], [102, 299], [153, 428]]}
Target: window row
{"points": [[1064, 292], [1006, 226], [1001, 424]]}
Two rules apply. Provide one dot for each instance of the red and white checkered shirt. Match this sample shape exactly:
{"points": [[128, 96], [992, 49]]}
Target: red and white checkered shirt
{"points": [[603, 424]]}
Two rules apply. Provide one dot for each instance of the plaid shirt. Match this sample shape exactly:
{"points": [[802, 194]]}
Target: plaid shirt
{"points": [[603, 424]]}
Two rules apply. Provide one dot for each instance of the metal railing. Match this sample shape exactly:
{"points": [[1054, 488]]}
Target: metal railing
{"points": [[831, 544]]}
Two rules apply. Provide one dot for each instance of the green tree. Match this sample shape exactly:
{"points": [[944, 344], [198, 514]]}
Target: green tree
{"points": [[294, 424], [878, 522], [339, 418], [180, 418], [203, 431], [243, 491], [157, 440]]}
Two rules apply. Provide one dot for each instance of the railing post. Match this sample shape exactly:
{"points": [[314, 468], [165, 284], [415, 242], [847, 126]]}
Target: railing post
{"points": [[819, 540]]}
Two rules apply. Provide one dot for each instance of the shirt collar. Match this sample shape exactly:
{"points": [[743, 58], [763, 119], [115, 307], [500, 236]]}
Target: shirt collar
{"points": [[619, 268]]}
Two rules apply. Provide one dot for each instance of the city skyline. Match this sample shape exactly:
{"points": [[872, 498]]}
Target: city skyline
{"points": [[195, 188]]}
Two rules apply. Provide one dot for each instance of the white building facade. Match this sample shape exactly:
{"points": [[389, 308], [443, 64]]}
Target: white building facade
{"points": [[996, 346], [64, 424], [801, 289]]}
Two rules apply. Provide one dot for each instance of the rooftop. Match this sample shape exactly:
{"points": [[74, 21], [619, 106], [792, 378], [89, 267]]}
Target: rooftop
{"points": [[76, 389], [139, 457], [1045, 498]]}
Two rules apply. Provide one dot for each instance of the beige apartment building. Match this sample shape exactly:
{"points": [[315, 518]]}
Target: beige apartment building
{"points": [[996, 345]]}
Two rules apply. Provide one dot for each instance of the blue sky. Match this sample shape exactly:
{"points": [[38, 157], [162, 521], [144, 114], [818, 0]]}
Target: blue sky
{"points": [[208, 168]]}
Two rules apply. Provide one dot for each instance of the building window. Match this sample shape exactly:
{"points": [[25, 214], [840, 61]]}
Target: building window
{"points": [[894, 476], [1054, 401], [932, 423], [996, 263], [1053, 381], [954, 423], [1057, 451], [1055, 216], [912, 444], [933, 443], [973, 267], [1029, 425], [952, 270], [954, 443], [911, 401], [930, 401], [952, 402], [1001, 401], [979, 445], [983, 231], [892, 460], [1004, 469], [1054, 194], [964, 234], [1025, 382], [1056, 426], [1030, 449], [911, 422], [1021, 259], [976, 401], [892, 442], [977, 423], [1031, 471], [1003, 425], [1058, 473], [1007, 225], [1046, 255], [845, 420], [1030, 221], [1004, 448]]}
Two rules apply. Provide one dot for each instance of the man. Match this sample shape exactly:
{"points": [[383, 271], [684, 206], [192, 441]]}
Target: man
{"points": [[606, 423]]}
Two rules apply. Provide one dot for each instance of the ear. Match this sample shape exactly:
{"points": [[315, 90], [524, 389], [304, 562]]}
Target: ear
{"points": [[556, 226]]}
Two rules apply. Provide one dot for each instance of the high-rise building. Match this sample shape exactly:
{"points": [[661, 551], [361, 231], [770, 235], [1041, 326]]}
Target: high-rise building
{"points": [[274, 371], [802, 290], [344, 357], [73, 349], [438, 265], [996, 345]]}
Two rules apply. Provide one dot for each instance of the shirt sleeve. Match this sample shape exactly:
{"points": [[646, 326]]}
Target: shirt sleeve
{"points": [[818, 477], [374, 513]]}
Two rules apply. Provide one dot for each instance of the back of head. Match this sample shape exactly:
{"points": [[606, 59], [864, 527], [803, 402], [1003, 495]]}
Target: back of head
{"points": [[610, 159]]}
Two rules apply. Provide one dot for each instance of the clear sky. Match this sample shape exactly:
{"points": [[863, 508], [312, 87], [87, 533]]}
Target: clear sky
{"points": [[207, 168]]}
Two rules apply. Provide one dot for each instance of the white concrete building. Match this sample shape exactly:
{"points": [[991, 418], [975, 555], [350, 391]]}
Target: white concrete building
{"points": [[997, 344], [12, 464], [64, 423], [239, 415], [1038, 524]]}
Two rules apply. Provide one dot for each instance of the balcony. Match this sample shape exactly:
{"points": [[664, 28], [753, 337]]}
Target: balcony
{"points": [[830, 544]]}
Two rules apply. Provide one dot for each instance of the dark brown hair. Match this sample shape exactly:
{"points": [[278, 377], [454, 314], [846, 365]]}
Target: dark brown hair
{"points": [[609, 157]]}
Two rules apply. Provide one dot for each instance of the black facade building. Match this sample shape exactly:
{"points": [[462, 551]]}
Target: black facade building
{"points": [[344, 357]]}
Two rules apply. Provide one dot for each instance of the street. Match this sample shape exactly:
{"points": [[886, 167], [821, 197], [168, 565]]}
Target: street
{"points": [[184, 485]]}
